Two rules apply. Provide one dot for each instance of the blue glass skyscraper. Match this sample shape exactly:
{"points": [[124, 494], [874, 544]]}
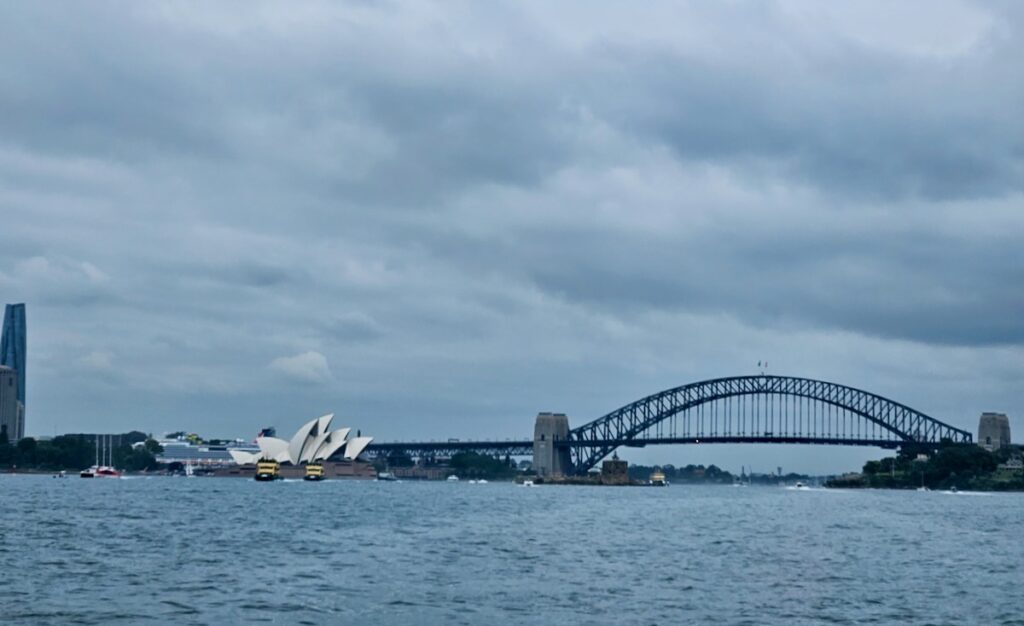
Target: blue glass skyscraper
{"points": [[13, 342]]}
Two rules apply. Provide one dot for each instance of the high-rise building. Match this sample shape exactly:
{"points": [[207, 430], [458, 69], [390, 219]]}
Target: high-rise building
{"points": [[11, 423], [13, 343]]}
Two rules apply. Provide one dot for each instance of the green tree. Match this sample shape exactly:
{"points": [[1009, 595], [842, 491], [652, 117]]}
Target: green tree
{"points": [[26, 451], [476, 465]]}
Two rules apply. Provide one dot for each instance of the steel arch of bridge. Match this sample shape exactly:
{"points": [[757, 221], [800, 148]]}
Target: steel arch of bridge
{"points": [[896, 424]]}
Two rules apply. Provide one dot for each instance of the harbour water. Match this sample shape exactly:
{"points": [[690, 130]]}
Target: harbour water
{"points": [[206, 550]]}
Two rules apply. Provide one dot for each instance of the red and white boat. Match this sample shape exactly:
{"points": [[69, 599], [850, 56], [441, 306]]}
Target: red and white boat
{"points": [[102, 471], [106, 472]]}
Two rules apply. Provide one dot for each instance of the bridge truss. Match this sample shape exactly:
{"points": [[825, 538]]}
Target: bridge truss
{"points": [[759, 409]]}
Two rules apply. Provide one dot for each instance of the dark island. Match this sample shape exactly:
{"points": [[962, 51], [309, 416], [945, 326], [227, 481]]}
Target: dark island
{"points": [[133, 451], [960, 466]]}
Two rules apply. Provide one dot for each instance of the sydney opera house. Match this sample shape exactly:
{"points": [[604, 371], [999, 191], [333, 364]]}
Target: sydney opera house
{"points": [[315, 442]]}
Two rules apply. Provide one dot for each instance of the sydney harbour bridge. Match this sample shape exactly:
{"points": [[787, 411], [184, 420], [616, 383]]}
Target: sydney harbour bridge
{"points": [[737, 409]]}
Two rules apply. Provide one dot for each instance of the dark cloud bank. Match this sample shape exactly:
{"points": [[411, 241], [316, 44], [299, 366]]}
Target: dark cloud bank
{"points": [[440, 219]]}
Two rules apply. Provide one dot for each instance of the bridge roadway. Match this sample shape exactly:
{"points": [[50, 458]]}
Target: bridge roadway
{"points": [[449, 448]]}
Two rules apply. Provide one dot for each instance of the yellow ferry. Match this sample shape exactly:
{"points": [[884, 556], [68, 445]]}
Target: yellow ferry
{"points": [[314, 471], [267, 470]]}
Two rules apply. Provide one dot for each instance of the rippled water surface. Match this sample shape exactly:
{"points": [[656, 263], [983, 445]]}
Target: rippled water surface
{"points": [[210, 550]]}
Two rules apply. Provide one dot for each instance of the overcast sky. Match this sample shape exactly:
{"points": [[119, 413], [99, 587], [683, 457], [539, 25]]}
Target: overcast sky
{"points": [[436, 220]]}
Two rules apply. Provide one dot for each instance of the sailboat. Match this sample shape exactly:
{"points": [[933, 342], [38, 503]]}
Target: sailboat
{"points": [[108, 471], [103, 471]]}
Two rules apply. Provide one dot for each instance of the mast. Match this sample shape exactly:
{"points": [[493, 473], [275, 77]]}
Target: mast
{"points": [[97, 440]]}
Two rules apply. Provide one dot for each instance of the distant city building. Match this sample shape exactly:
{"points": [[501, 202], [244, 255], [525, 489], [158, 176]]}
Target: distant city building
{"points": [[12, 423], [993, 431], [1015, 465], [13, 343]]}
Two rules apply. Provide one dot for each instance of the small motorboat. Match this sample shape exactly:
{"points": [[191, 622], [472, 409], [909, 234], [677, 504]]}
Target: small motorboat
{"points": [[800, 485], [482, 481], [453, 478], [88, 473], [527, 483]]}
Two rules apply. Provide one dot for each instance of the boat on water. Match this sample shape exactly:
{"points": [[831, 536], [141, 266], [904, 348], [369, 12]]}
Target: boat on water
{"points": [[800, 485], [657, 479], [388, 476], [267, 471], [482, 481], [102, 471], [453, 478], [314, 472], [107, 471], [527, 483]]}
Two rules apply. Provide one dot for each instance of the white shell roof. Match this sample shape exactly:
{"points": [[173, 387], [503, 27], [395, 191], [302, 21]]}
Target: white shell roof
{"points": [[243, 458], [356, 446], [334, 442], [312, 445], [312, 442], [316, 438], [298, 442], [273, 448]]}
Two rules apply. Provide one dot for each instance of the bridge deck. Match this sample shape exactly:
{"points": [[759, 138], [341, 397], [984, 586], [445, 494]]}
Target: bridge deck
{"points": [[448, 448]]}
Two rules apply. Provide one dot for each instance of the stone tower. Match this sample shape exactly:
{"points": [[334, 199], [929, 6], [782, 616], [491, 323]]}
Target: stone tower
{"points": [[549, 460], [993, 431]]}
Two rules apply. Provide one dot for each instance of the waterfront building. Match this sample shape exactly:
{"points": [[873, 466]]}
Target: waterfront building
{"points": [[314, 449], [615, 472], [315, 442], [993, 431], [13, 343], [12, 423], [312, 443]]}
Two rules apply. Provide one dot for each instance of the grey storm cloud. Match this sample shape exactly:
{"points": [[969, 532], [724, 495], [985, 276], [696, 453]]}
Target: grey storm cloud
{"points": [[452, 216]]}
